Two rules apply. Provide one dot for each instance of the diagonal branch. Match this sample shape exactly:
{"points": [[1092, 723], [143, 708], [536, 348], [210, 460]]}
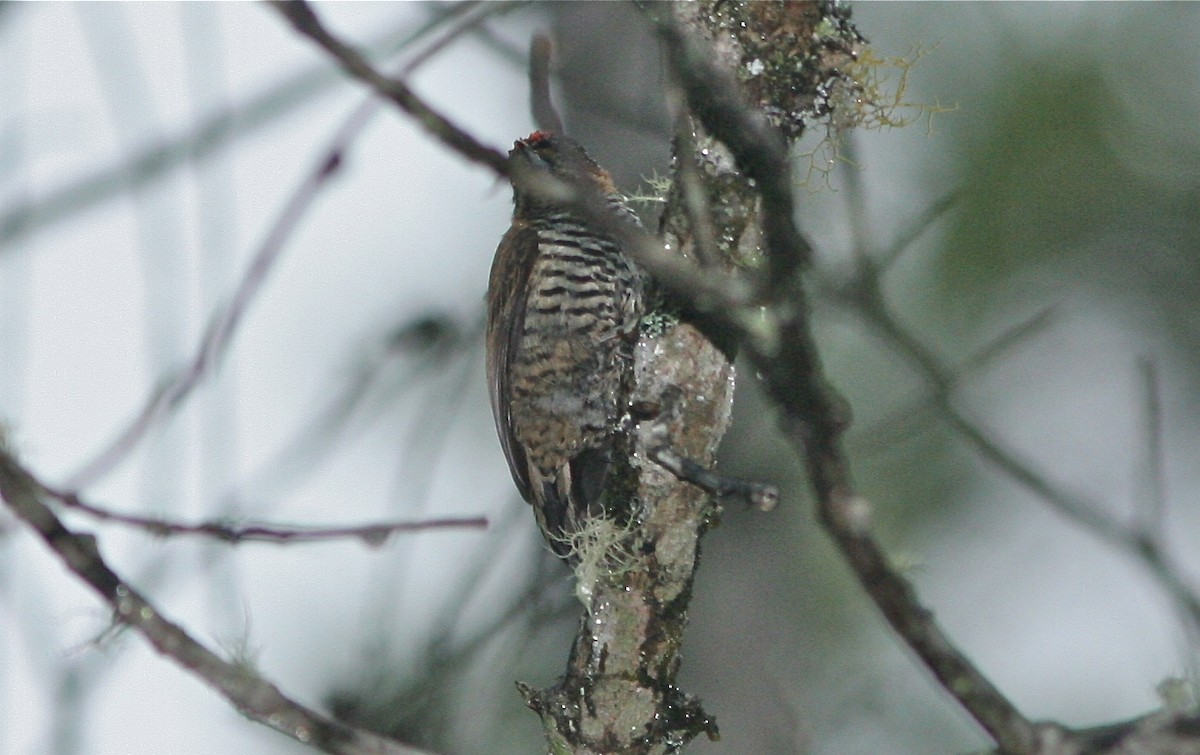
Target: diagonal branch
{"points": [[252, 695], [220, 331], [815, 417], [304, 20], [1138, 542], [225, 321], [151, 163]]}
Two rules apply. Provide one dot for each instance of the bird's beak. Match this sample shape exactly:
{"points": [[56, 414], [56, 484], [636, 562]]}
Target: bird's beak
{"points": [[523, 153]]}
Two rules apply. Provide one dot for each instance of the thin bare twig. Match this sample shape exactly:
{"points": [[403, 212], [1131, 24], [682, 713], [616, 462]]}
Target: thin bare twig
{"points": [[468, 15], [371, 534], [1150, 512], [251, 694], [900, 423], [1004, 343], [916, 228]]}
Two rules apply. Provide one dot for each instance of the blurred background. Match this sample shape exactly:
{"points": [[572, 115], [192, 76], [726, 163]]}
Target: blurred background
{"points": [[146, 152]]}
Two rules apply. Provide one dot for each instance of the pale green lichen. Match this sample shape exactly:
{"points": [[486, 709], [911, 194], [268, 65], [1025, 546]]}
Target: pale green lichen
{"points": [[601, 555], [873, 94], [658, 323]]}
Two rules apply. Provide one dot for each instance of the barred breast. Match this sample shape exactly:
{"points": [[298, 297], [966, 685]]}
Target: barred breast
{"points": [[571, 370]]}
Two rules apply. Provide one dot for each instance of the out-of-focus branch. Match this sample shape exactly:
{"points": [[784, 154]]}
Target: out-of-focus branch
{"points": [[1152, 511], [153, 162], [541, 104], [430, 342], [252, 695], [814, 416], [863, 294], [900, 423], [304, 20], [221, 328]]}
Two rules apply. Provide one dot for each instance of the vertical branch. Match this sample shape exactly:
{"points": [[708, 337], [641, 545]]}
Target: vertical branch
{"points": [[784, 350], [541, 62], [1150, 513], [620, 692]]}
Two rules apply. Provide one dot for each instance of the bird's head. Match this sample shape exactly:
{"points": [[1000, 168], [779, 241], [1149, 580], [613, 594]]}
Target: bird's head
{"points": [[547, 170]]}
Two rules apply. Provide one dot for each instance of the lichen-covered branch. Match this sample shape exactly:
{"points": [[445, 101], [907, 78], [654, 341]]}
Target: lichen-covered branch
{"points": [[753, 75], [619, 693], [784, 351]]}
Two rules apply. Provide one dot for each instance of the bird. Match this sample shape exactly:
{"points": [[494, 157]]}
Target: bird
{"points": [[564, 304]]}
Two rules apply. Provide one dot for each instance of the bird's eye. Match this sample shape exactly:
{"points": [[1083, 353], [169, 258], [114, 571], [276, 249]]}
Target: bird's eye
{"points": [[541, 159]]}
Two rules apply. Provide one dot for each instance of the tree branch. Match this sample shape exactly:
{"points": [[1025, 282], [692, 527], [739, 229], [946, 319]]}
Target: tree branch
{"points": [[814, 415], [304, 20], [223, 324], [863, 294], [252, 695], [371, 534], [640, 577], [1164, 731], [152, 162]]}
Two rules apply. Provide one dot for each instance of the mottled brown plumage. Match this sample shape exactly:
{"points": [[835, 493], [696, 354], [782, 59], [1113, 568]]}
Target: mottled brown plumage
{"points": [[564, 304]]}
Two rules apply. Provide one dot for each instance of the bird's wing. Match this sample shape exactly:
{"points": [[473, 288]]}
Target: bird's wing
{"points": [[507, 294]]}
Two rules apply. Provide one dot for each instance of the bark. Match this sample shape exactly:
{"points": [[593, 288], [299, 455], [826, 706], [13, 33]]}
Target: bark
{"points": [[619, 693]]}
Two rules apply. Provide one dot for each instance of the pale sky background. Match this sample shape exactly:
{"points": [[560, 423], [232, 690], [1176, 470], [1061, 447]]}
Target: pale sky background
{"points": [[96, 309]]}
